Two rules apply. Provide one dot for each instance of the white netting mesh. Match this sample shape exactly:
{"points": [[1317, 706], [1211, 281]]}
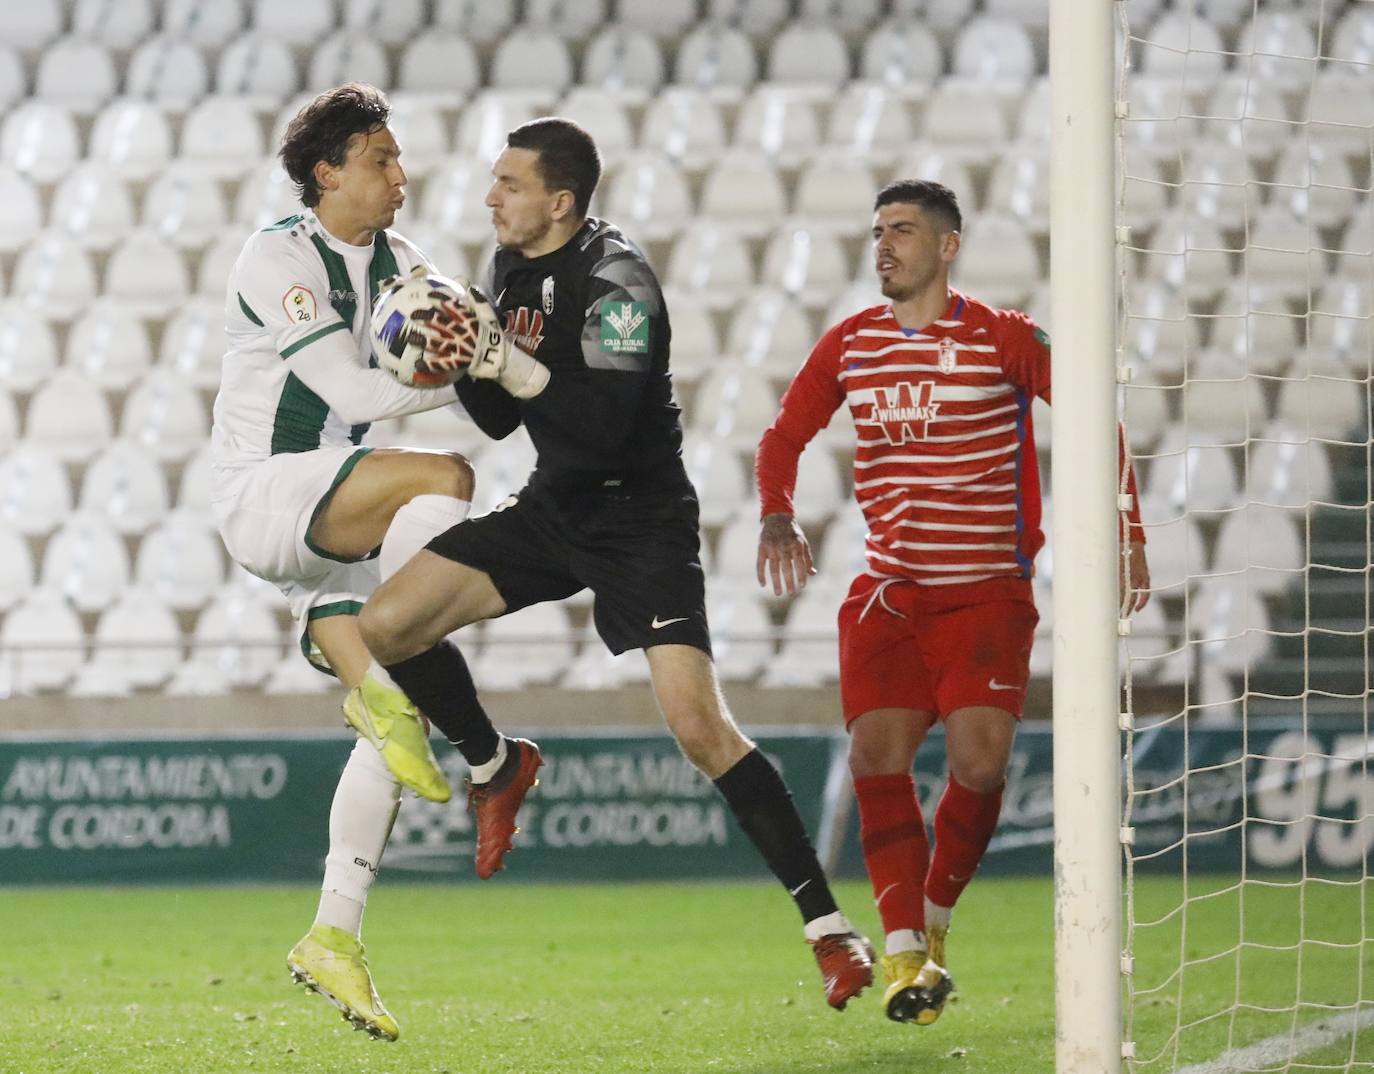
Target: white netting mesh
{"points": [[1246, 295]]}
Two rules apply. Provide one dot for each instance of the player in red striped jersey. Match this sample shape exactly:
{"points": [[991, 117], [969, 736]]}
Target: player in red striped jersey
{"points": [[939, 626]]}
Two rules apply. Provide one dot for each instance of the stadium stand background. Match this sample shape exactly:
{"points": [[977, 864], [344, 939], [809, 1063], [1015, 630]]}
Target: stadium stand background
{"points": [[743, 143]]}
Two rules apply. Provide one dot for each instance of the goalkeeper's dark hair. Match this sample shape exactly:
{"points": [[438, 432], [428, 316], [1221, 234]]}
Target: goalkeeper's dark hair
{"points": [[322, 130], [568, 159], [936, 199]]}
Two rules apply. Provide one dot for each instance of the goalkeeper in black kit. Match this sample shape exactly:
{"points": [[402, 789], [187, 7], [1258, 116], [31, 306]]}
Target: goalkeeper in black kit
{"points": [[571, 338]]}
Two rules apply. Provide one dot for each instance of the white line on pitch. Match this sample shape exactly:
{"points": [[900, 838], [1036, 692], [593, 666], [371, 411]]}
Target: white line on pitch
{"points": [[1283, 1047]]}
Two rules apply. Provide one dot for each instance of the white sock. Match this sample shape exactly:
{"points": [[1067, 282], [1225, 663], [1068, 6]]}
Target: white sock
{"points": [[415, 525], [937, 917], [904, 940], [380, 675], [365, 804], [482, 773], [829, 925]]}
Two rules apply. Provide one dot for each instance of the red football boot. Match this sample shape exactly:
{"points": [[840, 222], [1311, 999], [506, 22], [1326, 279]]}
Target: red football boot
{"points": [[496, 803], [846, 962]]}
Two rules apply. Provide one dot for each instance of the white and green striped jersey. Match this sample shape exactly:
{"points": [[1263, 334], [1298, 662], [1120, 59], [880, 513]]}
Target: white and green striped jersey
{"points": [[296, 308]]}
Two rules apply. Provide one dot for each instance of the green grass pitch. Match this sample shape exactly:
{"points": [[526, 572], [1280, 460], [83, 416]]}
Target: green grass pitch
{"points": [[537, 979]]}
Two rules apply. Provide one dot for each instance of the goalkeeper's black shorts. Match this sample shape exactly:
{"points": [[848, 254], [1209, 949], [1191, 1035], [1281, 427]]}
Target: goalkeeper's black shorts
{"points": [[638, 552]]}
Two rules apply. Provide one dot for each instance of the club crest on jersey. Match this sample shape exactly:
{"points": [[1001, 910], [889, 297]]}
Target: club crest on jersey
{"points": [[949, 355], [548, 296], [904, 411], [299, 303], [527, 326]]}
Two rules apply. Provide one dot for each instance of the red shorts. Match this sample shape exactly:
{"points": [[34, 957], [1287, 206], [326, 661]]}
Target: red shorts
{"points": [[935, 648]]}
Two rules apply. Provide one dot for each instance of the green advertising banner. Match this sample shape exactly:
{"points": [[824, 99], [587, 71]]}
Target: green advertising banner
{"points": [[1279, 792], [251, 810]]}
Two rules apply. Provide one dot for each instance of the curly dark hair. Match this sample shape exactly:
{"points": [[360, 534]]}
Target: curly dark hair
{"points": [[568, 159], [936, 199], [322, 130]]}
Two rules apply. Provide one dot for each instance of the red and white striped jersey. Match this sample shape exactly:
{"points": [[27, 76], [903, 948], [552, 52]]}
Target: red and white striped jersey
{"points": [[944, 462]]}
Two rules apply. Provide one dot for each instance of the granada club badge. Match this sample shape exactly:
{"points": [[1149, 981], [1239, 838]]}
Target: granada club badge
{"points": [[949, 355]]}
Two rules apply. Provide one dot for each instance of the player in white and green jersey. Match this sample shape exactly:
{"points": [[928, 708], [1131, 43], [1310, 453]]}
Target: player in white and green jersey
{"points": [[302, 502]]}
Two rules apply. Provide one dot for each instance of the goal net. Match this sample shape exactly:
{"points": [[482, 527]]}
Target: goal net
{"points": [[1246, 289]]}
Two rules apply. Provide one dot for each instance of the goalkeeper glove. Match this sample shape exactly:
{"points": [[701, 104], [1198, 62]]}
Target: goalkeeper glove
{"points": [[494, 356]]}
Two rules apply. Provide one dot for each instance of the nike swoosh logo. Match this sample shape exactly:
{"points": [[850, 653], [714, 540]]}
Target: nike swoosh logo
{"points": [[993, 684], [794, 892], [659, 624], [879, 900]]}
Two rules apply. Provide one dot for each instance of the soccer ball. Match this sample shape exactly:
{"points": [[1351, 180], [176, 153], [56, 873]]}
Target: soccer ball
{"points": [[415, 319]]}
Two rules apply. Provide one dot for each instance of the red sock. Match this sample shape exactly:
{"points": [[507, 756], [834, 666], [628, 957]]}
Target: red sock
{"points": [[964, 823], [896, 850]]}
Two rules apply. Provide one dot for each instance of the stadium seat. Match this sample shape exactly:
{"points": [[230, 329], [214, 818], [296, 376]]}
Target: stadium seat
{"points": [[759, 19], [811, 55], [1284, 254], [1278, 49], [219, 135], [118, 26], [30, 26], [859, 295], [534, 645], [258, 67], [662, 18], [126, 486], [768, 332], [869, 120], [1228, 626], [391, 22], [1254, 325], [454, 200], [600, 110], [164, 415], [709, 264], [293, 675], [16, 567], [108, 346], [301, 23], [132, 137], [716, 59], [1340, 114], [623, 61], [1247, 115], [1020, 188], [483, 21], [570, 22], [733, 404], [1340, 323], [997, 263], [743, 193], [38, 139], [1216, 184], [810, 652], [1186, 254], [718, 475], [193, 342], [684, 125], [835, 193], [995, 50], [86, 562], [1328, 402], [808, 265], [206, 25], [215, 264], [533, 61], [181, 561], [168, 71], [820, 491], [965, 120], [235, 637], [348, 56], [1145, 416], [927, 161], [421, 132], [41, 645], [148, 274], [197, 483], [1033, 123], [265, 196], [852, 18], [1356, 246], [1314, 183], [649, 198], [35, 494], [21, 212], [76, 73], [1353, 38], [68, 416], [54, 276], [1182, 43], [439, 63], [137, 642], [1160, 122], [1199, 478], [597, 668], [842, 550], [28, 349], [92, 205], [735, 561], [1220, 401], [904, 56], [1287, 468], [485, 122], [742, 634], [185, 208], [9, 420], [696, 343], [1145, 197], [13, 79], [1154, 653], [780, 123], [1175, 547]]}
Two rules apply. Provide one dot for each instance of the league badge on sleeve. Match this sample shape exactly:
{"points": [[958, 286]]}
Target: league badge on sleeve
{"points": [[299, 303]]}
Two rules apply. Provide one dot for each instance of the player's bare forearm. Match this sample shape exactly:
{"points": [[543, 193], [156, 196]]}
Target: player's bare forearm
{"points": [[1135, 579], [784, 555]]}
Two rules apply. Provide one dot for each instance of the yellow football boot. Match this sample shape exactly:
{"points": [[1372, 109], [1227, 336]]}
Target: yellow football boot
{"points": [[387, 719], [934, 983], [331, 962], [902, 1001]]}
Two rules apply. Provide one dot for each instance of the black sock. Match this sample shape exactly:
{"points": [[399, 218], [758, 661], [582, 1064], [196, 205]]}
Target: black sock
{"points": [[764, 808], [440, 685]]}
